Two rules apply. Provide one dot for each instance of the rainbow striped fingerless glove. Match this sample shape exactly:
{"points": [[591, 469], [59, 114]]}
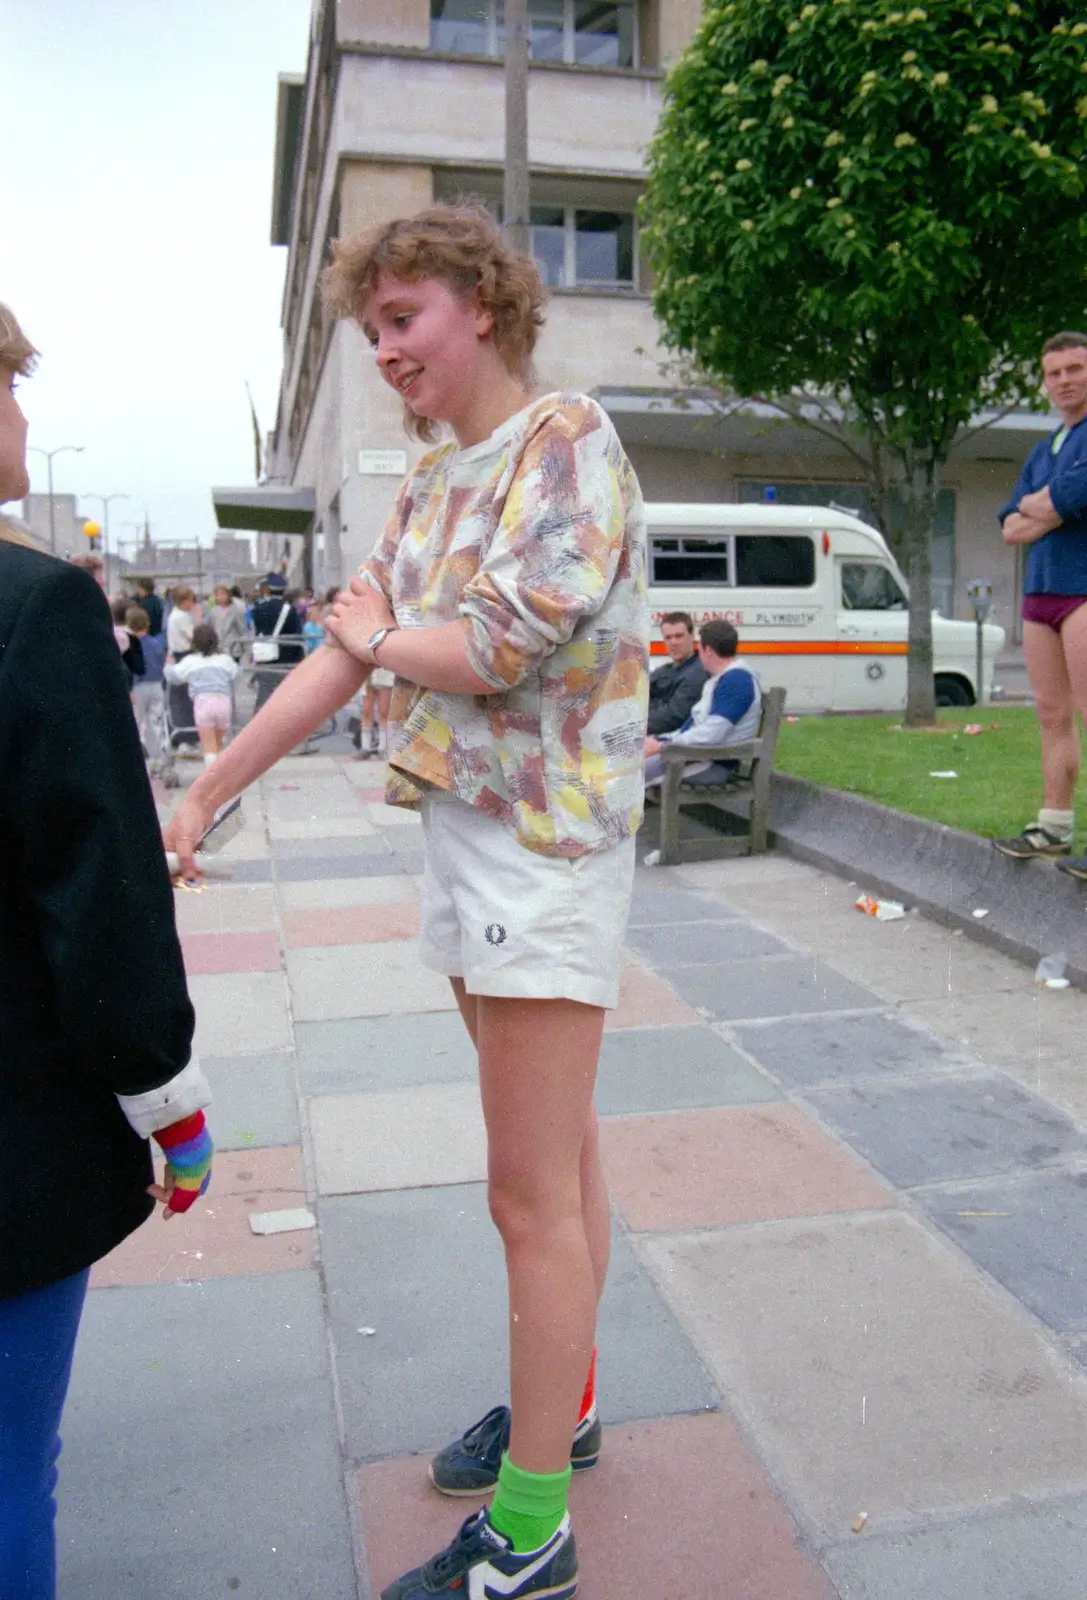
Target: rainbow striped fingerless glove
{"points": [[188, 1150]]}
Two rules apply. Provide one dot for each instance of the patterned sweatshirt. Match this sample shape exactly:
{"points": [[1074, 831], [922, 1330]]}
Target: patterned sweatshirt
{"points": [[536, 538]]}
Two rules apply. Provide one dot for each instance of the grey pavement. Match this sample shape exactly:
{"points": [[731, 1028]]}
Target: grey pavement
{"points": [[848, 1163]]}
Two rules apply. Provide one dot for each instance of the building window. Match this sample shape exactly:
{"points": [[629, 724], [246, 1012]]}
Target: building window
{"points": [[580, 249], [586, 33]]}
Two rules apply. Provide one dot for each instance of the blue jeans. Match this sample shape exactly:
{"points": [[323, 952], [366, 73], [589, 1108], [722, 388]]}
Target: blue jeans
{"points": [[37, 1341]]}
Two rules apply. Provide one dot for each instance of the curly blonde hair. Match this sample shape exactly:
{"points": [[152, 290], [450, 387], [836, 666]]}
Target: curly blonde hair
{"points": [[464, 247], [16, 351]]}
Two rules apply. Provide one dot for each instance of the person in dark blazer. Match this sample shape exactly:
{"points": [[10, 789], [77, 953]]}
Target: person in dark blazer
{"points": [[675, 688], [95, 1021]]}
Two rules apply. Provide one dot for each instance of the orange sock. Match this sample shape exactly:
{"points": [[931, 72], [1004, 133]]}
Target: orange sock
{"points": [[588, 1399]]}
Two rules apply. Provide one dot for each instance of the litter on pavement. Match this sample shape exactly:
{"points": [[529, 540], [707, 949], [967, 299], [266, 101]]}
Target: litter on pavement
{"points": [[293, 1220], [882, 910]]}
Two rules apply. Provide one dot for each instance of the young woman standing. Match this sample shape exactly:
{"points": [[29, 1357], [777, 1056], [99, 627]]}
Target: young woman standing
{"points": [[507, 595]]}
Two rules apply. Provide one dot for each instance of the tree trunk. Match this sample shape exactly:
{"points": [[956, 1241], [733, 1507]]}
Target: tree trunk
{"points": [[918, 517]]}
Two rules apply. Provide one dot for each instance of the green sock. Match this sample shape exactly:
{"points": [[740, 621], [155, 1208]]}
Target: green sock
{"points": [[528, 1506]]}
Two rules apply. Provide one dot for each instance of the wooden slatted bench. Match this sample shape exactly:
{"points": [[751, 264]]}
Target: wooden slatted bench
{"points": [[756, 758]]}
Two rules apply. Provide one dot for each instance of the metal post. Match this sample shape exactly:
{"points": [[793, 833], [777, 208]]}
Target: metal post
{"points": [[980, 594], [515, 192]]}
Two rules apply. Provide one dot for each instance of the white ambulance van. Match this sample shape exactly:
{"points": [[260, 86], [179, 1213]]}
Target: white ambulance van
{"points": [[816, 597]]}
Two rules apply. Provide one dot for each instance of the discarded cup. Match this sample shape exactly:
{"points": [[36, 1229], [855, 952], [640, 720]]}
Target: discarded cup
{"points": [[1050, 971], [882, 910]]}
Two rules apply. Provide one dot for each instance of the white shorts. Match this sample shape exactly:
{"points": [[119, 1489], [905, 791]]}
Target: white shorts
{"points": [[517, 924], [381, 678]]}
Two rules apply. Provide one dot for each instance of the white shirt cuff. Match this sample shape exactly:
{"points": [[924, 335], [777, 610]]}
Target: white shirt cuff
{"points": [[158, 1108]]}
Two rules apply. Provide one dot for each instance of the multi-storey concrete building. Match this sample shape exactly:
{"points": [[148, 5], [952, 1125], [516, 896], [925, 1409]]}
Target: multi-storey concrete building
{"points": [[403, 103]]}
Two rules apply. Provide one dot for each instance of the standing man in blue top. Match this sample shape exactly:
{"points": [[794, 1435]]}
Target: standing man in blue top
{"points": [[728, 709], [1048, 514]]}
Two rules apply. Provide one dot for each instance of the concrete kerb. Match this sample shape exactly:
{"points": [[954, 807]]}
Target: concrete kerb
{"points": [[1033, 910]]}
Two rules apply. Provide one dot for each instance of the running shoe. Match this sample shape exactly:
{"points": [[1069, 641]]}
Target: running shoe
{"points": [[1076, 867], [469, 1466], [1034, 841], [480, 1562]]}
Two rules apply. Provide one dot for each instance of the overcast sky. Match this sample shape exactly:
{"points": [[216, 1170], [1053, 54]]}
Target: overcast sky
{"points": [[135, 205]]}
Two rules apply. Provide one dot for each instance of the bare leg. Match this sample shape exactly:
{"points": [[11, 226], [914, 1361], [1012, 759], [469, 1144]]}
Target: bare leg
{"points": [[594, 1190], [537, 1067], [1074, 648], [209, 740], [1045, 653]]}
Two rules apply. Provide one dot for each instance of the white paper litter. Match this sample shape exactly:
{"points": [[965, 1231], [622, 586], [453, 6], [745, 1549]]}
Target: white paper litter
{"points": [[943, 774], [981, 912], [290, 1221]]}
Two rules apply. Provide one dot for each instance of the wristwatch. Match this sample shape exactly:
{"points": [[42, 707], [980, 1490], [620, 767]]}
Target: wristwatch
{"points": [[376, 640]]}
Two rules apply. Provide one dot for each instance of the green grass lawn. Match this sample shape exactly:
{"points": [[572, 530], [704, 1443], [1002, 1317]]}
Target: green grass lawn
{"points": [[999, 783]]}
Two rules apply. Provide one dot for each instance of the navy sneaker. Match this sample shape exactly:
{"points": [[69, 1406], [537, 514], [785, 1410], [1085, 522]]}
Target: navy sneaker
{"points": [[485, 1557], [469, 1466], [1076, 867]]}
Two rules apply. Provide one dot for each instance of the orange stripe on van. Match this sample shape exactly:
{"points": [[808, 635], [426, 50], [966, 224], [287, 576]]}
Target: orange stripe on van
{"points": [[809, 647]]}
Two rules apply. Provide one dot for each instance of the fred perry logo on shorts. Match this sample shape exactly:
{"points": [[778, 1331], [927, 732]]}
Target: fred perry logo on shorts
{"points": [[494, 933]]}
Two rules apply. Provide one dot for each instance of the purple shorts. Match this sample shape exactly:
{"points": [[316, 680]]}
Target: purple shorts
{"points": [[1051, 610]]}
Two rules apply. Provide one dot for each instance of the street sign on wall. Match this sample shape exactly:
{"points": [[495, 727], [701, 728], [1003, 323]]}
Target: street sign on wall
{"points": [[383, 463]]}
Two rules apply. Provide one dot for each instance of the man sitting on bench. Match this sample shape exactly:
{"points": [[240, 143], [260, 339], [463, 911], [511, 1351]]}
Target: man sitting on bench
{"points": [[728, 710]]}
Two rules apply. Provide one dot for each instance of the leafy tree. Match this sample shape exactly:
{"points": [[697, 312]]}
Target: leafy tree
{"points": [[871, 214]]}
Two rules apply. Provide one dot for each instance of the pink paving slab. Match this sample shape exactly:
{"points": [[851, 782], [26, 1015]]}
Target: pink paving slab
{"points": [[213, 1239], [230, 952], [678, 1507], [378, 924], [646, 1001], [708, 1169]]}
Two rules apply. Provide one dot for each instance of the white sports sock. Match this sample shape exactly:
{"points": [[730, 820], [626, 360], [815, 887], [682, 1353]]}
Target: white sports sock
{"points": [[1062, 823]]}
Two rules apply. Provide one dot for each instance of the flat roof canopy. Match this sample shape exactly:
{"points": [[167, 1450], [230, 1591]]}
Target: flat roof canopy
{"points": [[265, 508]]}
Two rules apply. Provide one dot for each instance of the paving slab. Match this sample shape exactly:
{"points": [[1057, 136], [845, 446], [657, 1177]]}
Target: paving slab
{"points": [[249, 871], [646, 1001], [703, 944], [826, 1050], [727, 1529], [335, 893], [230, 952], [352, 924], [383, 816], [406, 1139], [1032, 1554], [226, 908], [674, 1069], [315, 843], [1030, 1233], [240, 1013], [364, 980], [411, 1262], [352, 827], [650, 907], [213, 1239], [330, 798], [369, 864], [709, 1169], [253, 1100], [227, 1478], [356, 1054], [771, 987], [876, 1371], [949, 1127]]}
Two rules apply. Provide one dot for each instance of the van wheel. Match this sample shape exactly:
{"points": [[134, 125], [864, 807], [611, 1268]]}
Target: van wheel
{"points": [[953, 691]]}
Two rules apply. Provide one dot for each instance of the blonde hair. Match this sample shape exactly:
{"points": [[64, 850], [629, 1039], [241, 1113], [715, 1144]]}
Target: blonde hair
{"points": [[16, 351], [464, 247], [18, 355]]}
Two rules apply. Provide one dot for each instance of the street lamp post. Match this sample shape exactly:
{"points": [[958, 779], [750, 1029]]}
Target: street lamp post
{"points": [[104, 500], [77, 449]]}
